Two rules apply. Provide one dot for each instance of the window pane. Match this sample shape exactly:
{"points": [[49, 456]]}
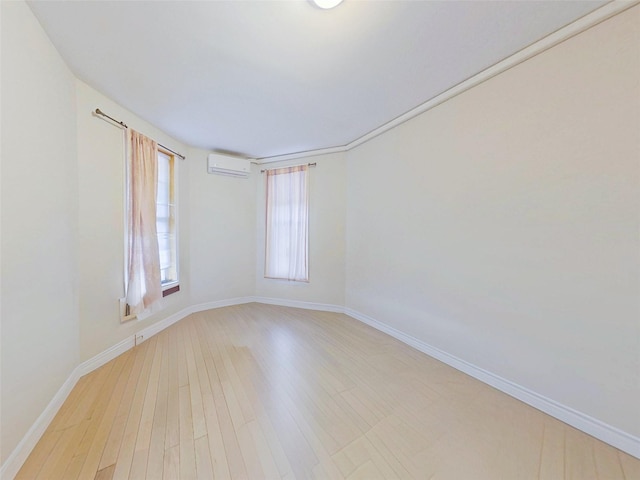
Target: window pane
{"points": [[286, 249], [165, 218]]}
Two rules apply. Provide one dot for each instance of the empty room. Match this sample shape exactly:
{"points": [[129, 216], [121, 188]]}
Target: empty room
{"points": [[320, 239]]}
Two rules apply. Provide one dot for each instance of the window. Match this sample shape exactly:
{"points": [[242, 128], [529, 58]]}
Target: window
{"points": [[287, 224], [166, 221], [151, 260]]}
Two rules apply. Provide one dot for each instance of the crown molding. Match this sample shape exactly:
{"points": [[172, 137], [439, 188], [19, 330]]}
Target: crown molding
{"points": [[571, 30]]}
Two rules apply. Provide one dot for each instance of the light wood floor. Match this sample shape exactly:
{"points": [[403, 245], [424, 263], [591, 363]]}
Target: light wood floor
{"points": [[264, 392]]}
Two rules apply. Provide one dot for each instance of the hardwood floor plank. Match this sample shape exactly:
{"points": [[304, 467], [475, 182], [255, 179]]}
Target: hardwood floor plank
{"points": [[299, 455], [365, 471], [68, 408], [75, 427], [65, 458], [74, 467], [127, 447], [217, 448], [552, 453], [389, 456], [41, 451], [234, 459], [155, 459], [171, 465], [265, 392], [183, 373], [112, 448], [172, 433], [262, 430], [197, 411], [98, 440], [187, 446], [579, 462], [56, 453], [138, 468], [147, 414], [145, 426], [204, 470], [630, 466], [265, 455], [106, 473], [608, 463]]}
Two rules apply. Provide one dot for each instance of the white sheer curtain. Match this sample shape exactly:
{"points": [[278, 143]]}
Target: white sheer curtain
{"points": [[143, 272], [287, 224]]}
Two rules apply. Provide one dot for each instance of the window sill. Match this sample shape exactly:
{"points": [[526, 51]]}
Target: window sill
{"points": [[287, 281]]}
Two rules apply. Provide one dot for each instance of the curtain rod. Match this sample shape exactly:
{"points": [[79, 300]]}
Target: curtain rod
{"points": [[288, 166], [124, 125]]}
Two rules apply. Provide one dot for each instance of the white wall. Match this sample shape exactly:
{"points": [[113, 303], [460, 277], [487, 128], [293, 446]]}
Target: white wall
{"points": [[101, 220], [222, 229], [39, 339], [502, 226], [327, 199]]}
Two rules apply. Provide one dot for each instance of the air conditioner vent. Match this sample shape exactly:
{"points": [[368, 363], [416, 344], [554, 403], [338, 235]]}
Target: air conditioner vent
{"points": [[230, 166]]}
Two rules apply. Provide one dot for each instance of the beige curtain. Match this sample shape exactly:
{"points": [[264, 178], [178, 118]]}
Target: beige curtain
{"points": [[287, 224], [143, 275]]}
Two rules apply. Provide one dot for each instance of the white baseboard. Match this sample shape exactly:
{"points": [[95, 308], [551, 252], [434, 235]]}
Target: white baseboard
{"points": [[323, 307], [109, 354], [613, 436], [16, 459], [598, 429], [14, 462], [221, 303], [157, 327]]}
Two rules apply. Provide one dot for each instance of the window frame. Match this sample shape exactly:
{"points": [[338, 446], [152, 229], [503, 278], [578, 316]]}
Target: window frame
{"points": [[268, 223], [172, 286]]}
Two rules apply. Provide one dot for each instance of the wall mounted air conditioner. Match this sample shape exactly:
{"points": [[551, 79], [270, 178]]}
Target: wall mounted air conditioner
{"points": [[226, 165]]}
